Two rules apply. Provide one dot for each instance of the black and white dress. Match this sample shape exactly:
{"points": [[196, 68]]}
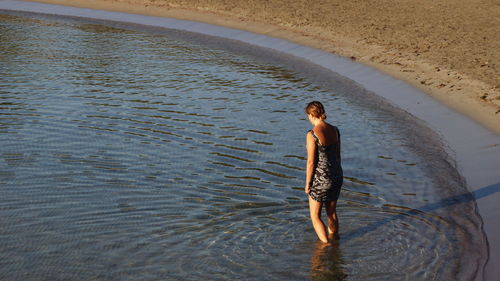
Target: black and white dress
{"points": [[327, 176]]}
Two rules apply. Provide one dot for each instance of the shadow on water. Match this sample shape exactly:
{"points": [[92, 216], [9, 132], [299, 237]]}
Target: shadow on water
{"points": [[326, 259], [446, 202]]}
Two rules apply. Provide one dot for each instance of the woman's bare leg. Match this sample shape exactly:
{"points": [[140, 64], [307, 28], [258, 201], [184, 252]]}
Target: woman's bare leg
{"points": [[333, 220], [319, 226]]}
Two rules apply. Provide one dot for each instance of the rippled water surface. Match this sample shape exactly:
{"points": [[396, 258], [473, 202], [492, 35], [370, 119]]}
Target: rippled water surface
{"points": [[129, 155]]}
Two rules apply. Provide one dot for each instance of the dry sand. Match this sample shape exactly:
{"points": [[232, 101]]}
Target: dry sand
{"points": [[449, 49]]}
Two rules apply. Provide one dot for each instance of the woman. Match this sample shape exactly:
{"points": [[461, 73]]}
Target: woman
{"points": [[323, 171]]}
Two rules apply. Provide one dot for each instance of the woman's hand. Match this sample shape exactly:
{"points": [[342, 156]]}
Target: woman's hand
{"points": [[307, 189]]}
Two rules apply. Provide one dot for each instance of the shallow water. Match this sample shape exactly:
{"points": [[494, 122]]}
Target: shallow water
{"points": [[152, 155]]}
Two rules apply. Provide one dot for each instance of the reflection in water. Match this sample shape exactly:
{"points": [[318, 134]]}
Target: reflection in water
{"points": [[326, 262], [126, 154]]}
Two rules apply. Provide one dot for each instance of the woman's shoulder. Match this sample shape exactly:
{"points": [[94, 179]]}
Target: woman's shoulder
{"points": [[310, 134], [333, 127], [329, 127]]}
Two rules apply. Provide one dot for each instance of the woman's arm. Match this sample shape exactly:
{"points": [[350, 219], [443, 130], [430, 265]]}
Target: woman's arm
{"points": [[311, 155]]}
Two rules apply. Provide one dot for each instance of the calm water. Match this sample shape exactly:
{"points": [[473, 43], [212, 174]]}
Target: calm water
{"points": [[129, 155]]}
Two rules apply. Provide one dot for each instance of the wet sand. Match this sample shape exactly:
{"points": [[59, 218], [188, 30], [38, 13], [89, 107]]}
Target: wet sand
{"points": [[475, 152], [446, 49]]}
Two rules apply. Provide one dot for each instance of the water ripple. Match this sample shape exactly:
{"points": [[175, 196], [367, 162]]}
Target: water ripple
{"points": [[127, 154]]}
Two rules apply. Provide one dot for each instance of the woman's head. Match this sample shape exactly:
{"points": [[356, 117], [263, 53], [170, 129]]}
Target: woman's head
{"points": [[316, 110]]}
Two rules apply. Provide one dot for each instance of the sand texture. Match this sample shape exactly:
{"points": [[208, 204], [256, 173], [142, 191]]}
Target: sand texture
{"points": [[450, 49]]}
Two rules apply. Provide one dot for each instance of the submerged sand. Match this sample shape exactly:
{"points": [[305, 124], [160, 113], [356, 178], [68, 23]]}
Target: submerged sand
{"points": [[450, 49]]}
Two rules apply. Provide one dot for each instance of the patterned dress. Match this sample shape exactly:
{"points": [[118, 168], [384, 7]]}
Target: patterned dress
{"points": [[327, 176]]}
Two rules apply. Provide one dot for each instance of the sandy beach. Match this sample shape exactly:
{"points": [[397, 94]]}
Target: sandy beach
{"points": [[446, 48]]}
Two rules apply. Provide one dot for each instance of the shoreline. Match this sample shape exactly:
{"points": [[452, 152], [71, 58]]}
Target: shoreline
{"points": [[452, 87], [476, 153]]}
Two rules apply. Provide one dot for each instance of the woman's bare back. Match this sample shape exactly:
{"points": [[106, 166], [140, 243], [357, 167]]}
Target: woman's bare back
{"points": [[327, 134]]}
